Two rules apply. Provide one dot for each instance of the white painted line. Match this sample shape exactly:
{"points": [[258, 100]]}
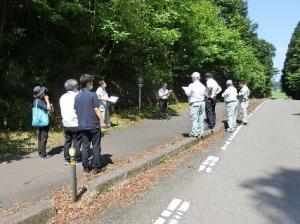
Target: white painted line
{"points": [[224, 147], [228, 142], [179, 213], [208, 170], [202, 167], [160, 221], [177, 217], [174, 204], [173, 221], [184, 207], [166, 213]]}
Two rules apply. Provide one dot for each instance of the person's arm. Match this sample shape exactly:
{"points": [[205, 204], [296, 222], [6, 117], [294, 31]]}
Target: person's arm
{"points": [[187, 90], [219, 89], [48, 105], [225, 93]]}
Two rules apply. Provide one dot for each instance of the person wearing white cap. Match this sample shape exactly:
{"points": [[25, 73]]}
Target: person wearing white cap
{"points": [[244, 102], [231, 102], [196, 95]]}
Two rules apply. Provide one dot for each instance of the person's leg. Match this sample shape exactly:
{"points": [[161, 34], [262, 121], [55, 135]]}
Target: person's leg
{"points": [[214, 116], [96, 140], [76, 139], [230, 116], [235, 113], [165, 106], [244, 107], [68, 143], [85, 139], [161, 106], [194, 117], [107, 117], [43, 137], [201, 117], [209, 113]]}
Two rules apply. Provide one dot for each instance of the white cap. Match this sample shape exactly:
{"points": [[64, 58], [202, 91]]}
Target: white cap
{"points": [[229, 82], [196, 75]]}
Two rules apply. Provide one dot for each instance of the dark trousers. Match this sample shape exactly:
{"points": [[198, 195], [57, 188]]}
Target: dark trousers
{"points": [[87, 137], [163, 105], [72, 137], [42, 140], [210, 109]]}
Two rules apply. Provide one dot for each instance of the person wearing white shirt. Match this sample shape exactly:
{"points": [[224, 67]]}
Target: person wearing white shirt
{"points": [[213, 89], [70, 121], [244, 101], [163, 94], [104, 104], [231, 102], [196, 96]]}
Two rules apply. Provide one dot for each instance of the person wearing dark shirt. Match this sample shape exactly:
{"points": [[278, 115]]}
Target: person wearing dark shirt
{"points": [[88, 114], [41, 100]]}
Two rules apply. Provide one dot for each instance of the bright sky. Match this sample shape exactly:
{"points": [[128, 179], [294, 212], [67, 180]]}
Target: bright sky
{"points": [[276, 20]]}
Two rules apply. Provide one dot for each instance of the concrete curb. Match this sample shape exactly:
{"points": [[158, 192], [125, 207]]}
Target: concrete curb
{"points": [[38, 214]]}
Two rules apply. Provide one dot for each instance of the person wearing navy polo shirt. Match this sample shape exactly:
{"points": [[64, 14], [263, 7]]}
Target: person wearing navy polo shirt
{"points": [[88, 114]]}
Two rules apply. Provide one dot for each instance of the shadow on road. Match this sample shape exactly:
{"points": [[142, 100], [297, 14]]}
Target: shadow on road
{"points": [[277, 196], [298, 114]]}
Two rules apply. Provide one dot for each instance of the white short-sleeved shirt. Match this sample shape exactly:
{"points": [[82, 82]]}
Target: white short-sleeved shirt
{"points": [[212, 84], [102, 93], [196, 92], [230, 94], [162, 92], [68, 114], [245, 92]]}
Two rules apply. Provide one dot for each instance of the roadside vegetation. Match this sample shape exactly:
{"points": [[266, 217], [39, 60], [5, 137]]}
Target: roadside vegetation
{"points": [[279, 95], [19, 143]]}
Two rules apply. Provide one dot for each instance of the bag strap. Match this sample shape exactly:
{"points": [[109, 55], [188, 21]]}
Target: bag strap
{"points": [[36, 103]]}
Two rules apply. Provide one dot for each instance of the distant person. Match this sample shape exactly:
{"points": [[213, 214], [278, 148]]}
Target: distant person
{"points": [[104, 104], [213, 89], [163, 94], [244, 102], [70, 120], [231, 103], [40, 119], [89, 115], [196, 95]]}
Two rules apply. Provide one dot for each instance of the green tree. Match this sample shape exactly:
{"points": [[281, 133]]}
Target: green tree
{"points": [[291, 70]]}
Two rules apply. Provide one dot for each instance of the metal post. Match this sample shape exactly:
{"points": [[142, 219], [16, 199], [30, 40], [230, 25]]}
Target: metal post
{"points": [[140, 98], [73, 174]]}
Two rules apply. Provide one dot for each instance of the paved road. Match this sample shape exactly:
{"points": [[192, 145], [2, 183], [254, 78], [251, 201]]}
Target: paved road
{"points": [[31, 178], [255, 181]]}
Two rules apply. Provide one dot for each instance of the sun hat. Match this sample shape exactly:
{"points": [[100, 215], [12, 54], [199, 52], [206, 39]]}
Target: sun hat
{"points": [[38, 91]]}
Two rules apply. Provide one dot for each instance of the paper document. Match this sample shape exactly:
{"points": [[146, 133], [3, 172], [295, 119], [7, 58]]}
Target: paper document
{"points": [[113, 99]]}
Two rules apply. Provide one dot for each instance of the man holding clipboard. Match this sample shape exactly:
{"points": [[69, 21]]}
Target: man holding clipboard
{"points": [[163, 94]]}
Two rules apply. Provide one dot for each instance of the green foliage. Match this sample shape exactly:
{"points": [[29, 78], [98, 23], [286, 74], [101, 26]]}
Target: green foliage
{"points": [[45, 42], [291, 70]]}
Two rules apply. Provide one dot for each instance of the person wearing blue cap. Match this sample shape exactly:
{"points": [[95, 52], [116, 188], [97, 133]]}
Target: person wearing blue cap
{"points": [[231, 104], [196, 92]]}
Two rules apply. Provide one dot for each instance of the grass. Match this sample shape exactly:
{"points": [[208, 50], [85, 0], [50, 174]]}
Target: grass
{"points": [[279, 95], [14, 145]]}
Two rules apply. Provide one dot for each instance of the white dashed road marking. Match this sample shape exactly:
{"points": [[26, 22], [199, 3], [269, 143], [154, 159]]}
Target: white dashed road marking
{"points": [[208, 164], [174, 212]]}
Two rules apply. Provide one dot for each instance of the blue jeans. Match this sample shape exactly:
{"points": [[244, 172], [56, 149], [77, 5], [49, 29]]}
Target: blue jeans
{"points": [[231, 109], [197, 113]]}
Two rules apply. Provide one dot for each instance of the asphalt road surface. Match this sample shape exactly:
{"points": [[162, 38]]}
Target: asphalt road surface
{"points": [[254, 179]]}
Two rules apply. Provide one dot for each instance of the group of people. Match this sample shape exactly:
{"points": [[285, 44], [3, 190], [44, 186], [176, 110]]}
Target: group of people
{"points": [[202, 103], [83, 114]]}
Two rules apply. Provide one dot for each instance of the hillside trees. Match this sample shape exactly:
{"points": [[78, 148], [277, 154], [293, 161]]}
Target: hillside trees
{"points": [[291, 70], [44, 42]]}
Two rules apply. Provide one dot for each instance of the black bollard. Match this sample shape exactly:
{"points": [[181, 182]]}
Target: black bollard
{"points": [[72, 152]]}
